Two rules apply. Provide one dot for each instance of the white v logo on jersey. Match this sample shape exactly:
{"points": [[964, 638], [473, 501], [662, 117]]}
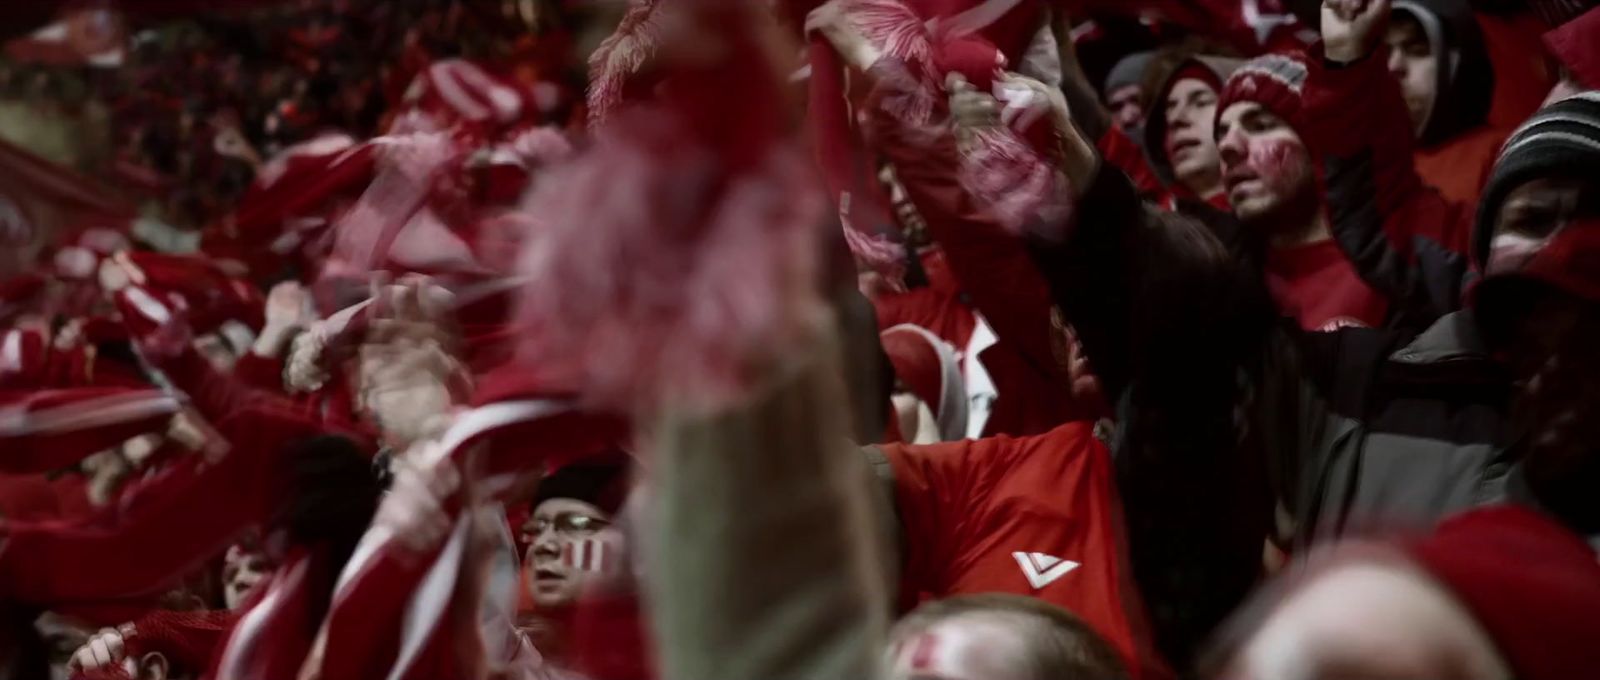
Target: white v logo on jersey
{"points": [[1042, 569]]}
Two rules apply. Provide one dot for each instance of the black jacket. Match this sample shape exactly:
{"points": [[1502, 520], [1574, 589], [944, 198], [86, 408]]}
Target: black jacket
{"points": [[1227, 412]]}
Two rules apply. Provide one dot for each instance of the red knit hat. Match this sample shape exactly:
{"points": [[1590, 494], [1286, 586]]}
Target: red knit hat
{"points": [[1274, 81], [1533, 585]]}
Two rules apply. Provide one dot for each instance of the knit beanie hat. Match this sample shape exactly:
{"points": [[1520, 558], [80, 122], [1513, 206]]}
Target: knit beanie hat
{"points": [[1560, 139], [1128, 71], [1531, 584], [1274, 81]]}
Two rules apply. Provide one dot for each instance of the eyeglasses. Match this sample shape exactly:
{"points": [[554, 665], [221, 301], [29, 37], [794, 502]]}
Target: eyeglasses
{"points": [[566, 524]]}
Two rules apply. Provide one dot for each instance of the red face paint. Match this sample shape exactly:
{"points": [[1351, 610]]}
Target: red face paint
{"points": [[1276, 169], [1282, 164]]}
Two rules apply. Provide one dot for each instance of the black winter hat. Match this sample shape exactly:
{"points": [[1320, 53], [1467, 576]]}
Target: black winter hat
{"points": [[601, 481], [1562, 139]]}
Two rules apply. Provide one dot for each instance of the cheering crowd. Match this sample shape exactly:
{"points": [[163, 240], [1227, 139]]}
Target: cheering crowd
{"points": [[901, 339]]}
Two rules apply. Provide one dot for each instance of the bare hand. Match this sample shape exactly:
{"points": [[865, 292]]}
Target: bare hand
{"points": [[289, 306], [102, 650], [1352, 28], [970, 109], [414, 509], [831, 20], [1026, 99]]}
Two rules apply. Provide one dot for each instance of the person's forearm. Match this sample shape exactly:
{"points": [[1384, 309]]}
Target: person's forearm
{"points": [[1082, 97], [766, 564]]}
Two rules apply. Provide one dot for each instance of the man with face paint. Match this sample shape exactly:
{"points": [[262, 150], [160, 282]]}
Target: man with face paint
{"points": [[1272, 184]]}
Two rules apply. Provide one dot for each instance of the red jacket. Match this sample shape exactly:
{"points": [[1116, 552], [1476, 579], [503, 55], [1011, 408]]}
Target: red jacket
{"points": [[1035, 516]]}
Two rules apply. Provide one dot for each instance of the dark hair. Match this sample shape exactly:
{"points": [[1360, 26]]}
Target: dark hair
{"points": [[1062, 647], [601, 482], [336, 494]]}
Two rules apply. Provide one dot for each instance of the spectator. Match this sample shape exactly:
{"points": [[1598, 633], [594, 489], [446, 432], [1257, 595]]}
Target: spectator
{"points": [[998, 637], [1124, 93], [1184, 86], [1436, 51], [1494, 593], [1272, 185], [1340, 421]]}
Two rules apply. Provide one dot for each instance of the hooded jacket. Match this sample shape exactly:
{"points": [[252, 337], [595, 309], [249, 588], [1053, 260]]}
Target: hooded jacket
{"points": [[1456, 147], [1160, 77]]}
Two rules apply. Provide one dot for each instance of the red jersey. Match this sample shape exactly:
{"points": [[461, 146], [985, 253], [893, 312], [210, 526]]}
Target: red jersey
{"points": [[1036, 516]]}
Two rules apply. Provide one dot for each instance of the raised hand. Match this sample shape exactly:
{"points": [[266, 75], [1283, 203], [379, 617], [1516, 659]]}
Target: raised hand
{"points": [[1352, 28], [1027, 99], [102, 650], [414, 510], [970, 109], [831, 21]]}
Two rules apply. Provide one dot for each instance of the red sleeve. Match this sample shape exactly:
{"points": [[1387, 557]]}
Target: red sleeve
{"points": [[941, 313], [260, 372], [162, 528], [932, 486], [1356, 111], [1121, 151], [189, 640]]}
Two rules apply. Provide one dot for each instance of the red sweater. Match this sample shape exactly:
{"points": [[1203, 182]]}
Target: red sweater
{"points": [[1317, 285]]}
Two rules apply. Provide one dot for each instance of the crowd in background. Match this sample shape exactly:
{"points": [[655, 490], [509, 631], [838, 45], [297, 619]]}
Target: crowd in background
{"points": [[700, 339]]}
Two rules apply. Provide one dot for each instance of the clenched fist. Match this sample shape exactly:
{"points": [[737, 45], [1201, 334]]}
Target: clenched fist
{"points": [[1352, 28]]}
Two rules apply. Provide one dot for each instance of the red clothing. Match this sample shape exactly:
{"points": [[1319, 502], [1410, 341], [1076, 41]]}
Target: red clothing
{"points": [[1317, 285], [1574, 44], [1522, 73], [942, 313], [1118, 149], [1460, 167], [259, 372], [1036, 516]]}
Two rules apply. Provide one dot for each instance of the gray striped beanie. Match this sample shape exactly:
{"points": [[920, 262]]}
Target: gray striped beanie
{"points": [[1562, 139]]}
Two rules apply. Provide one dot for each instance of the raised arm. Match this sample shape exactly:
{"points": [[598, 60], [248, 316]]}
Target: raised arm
{"points": [[1403, 237], [775, 570], [990, 263]]}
